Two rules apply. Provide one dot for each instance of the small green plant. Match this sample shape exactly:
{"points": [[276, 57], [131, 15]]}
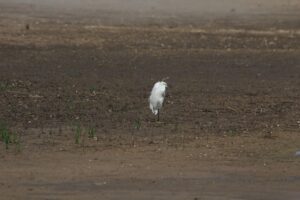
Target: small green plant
{"points": [[91, 132], [77, 134], [5, 137], [3, 86], [92, 89], [137, 124], [50, 137]]}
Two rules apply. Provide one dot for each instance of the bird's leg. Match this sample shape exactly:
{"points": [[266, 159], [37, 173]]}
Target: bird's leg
{"points": [[158, 115]]}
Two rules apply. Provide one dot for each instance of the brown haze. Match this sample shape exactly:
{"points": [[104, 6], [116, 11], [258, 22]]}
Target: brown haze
{"points": [[154, 10]]}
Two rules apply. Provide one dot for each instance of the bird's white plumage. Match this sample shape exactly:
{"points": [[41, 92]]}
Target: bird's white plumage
{"points": [[157, 96]]}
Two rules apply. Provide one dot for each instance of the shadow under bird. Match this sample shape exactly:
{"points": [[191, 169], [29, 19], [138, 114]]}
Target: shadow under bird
{"points": [[157, 97]]}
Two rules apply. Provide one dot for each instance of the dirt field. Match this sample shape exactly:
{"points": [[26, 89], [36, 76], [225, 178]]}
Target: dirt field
{"points": [[229, 127]]}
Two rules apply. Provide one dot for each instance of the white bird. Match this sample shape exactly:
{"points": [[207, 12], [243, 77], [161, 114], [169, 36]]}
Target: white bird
{"points": [[157, 97]]}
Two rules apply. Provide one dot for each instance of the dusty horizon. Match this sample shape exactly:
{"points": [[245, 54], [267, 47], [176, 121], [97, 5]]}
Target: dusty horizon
{"points": [[175, 7], [268, 13]]}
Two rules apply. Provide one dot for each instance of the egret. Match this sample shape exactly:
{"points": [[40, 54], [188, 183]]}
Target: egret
{"points": [[157, 96]]}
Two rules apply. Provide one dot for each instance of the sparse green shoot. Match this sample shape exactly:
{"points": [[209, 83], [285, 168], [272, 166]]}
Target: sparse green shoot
{"points": [[137, 124], [5, 136], [3, 86], [92, 89], [91, 132], [8, 137], [77, 134]]}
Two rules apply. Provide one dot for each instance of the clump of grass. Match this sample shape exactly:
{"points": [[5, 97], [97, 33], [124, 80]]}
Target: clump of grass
{"points": [[8, 137], [13, 138], [92, 89], [137, 124], [91, 132], [77, 134], [5, 135], [51, 139], [3, 86]]}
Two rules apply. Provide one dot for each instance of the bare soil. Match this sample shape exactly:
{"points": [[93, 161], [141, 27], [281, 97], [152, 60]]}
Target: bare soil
{"points": [[229, 128]]}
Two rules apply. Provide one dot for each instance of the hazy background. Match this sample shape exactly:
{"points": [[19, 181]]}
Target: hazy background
{"points": [[155, 11], [169, 6]]}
